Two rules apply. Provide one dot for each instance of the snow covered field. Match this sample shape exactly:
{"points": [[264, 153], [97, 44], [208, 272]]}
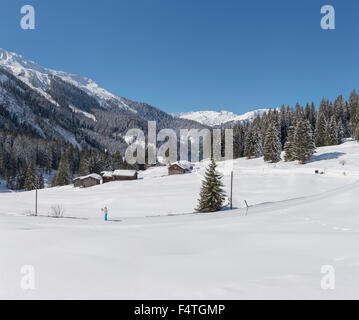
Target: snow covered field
{"points": [[155, 248]]}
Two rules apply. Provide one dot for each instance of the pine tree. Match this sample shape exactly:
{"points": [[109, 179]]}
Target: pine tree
{"points": [[253, 144], [332, 132], [321, 130], [354, 106], [304, 144], [31, 178], [212, 195], [21, 176], [340, 131], [272, 145], [63, 175], [289, 147]]}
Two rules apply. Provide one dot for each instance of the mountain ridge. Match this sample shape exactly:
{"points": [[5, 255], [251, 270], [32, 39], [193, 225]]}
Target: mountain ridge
{"points": [[215, 118], [58, 105]]}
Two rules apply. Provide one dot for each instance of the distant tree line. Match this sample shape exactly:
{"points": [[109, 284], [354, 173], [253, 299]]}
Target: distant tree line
{"points": [[25, 159], [297, 131]]}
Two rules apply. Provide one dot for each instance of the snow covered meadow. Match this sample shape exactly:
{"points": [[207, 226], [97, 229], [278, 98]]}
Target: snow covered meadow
{"points": [[154, 247]]}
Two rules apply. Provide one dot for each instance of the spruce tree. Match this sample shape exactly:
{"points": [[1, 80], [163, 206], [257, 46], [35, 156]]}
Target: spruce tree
{"points": [[321, 130], [304, 144], [289, 147], [63, 175], [272, 145], [212, 195], [340, 131], [253, 144], [21, 176], [354, 106], [332, 132], [31, 178]]}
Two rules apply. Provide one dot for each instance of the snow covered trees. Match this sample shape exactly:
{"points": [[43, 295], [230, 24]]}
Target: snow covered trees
{"points": [[354, 110], [300, 145], [289, 147], [212, 195], [303, 141], [272, 145], [321, 130], [31, 178], [332, 132], [253, 143]]}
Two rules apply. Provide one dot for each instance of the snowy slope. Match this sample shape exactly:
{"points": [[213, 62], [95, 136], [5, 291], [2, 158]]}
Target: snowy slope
{"points": [[154, 248], [38, 78], [214, 118]]}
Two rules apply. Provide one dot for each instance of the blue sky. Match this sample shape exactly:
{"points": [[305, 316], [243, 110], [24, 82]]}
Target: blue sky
{"points": [[183, 55]]}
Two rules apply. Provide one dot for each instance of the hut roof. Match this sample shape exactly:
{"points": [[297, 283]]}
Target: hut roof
{"points": [[92, 175], [185, 165], [107, 174], [124, 173]]}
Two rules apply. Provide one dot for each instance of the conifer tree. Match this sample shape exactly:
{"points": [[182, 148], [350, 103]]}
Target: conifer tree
{"points": [[321, 130], [340, 131], [354, 106], [21, 176], [63, 175], [289, 147], [304, 144], [212, 195], [272, 145], [253, 144], [332, 132], [31, 178]]}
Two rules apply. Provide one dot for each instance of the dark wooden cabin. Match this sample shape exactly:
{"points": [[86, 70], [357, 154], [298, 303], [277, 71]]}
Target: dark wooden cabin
{"points": [[179, 168], [87, 181], [107, 176], [119, 175]]}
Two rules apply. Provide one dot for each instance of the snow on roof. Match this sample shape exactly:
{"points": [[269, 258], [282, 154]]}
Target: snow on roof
{"points": [[92, 175], [124, 173], [107, 174], [183, 164]]}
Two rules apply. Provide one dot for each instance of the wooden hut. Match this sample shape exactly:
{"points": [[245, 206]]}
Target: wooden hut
{"points": [[119, 175], [87, 181], [180, 167], [107, 176]]}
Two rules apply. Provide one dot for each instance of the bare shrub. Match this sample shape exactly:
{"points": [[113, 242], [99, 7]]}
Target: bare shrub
{"points": [[57, 211]]}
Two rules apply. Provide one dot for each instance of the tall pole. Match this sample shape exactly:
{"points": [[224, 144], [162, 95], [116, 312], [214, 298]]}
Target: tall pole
{"points": [[231, 190]]}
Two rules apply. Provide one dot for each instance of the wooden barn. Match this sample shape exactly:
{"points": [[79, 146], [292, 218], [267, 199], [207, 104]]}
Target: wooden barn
{"points": [[107, 176], [119, 175], [87, 181], [180, 167]]}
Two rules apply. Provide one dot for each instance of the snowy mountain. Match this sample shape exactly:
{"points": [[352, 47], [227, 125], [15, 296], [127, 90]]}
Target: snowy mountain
{"points": [[57, 105], [39, 78], [214, 118]]}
